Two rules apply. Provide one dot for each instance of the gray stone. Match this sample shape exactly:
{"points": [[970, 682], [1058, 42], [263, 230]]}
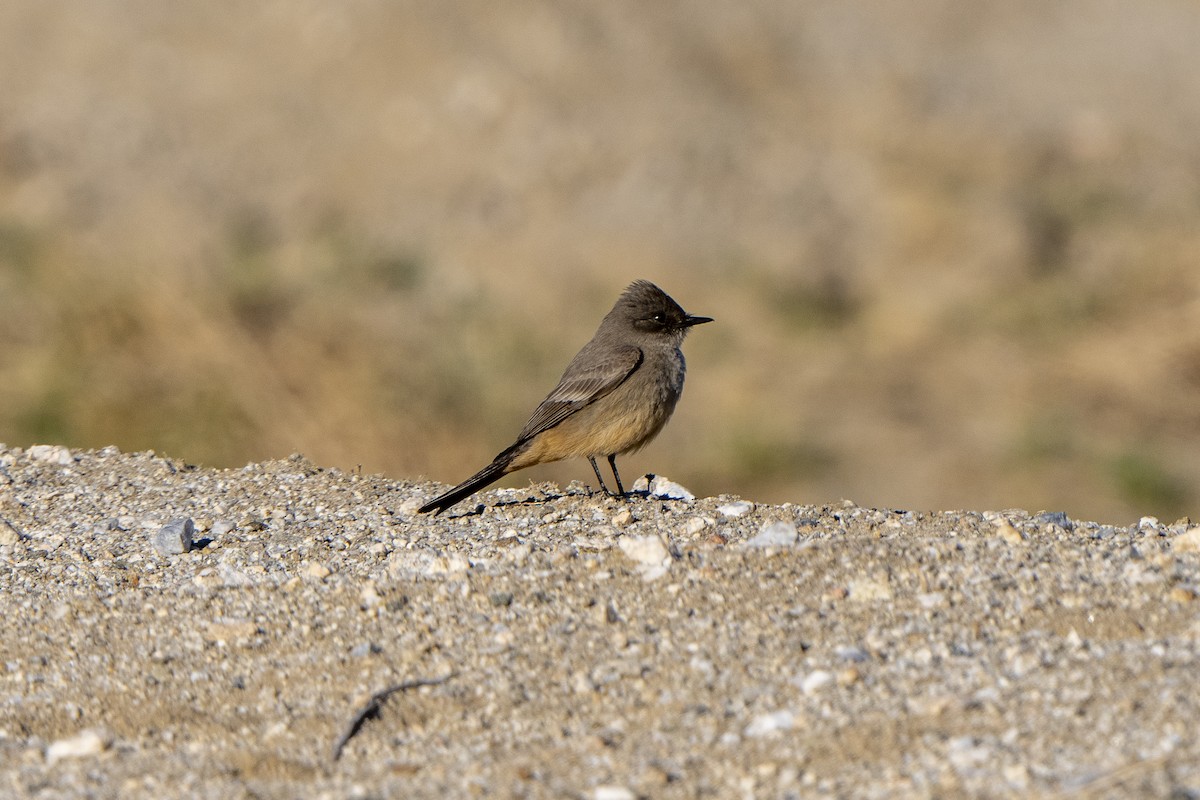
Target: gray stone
{"points": [[775, 534], [175, 537], [1058, 518], [855, 655]]}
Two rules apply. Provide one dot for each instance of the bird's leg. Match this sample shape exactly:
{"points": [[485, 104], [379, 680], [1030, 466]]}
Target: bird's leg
{"points": [[612, 462], [600, 480]]}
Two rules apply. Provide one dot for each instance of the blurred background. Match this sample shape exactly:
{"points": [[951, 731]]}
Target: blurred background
{"points": [[953, 248]]}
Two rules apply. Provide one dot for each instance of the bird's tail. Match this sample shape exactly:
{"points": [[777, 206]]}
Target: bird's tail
{"points": [[489, 474]]}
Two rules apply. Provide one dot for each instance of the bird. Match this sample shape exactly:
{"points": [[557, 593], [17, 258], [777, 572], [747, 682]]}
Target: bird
{"points": [[615, 395]]}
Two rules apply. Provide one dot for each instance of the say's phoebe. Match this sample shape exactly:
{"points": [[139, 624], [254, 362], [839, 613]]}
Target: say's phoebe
{"points": [[614, 397]]}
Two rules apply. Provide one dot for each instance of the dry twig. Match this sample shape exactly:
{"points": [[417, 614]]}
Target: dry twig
{"points": [[371, 708]]}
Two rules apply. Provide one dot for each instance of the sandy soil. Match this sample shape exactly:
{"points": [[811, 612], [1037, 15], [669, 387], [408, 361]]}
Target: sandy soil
{"points": [[577, 645]]}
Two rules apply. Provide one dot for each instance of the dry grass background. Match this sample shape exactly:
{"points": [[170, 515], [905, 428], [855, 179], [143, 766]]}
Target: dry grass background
{"points": [[953, 248]]}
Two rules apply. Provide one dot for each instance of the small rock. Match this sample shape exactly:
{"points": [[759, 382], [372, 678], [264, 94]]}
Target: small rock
{"points": [[1008, 533], [90, 742], [695, 525], [1017, 776], [643, 549], [931, 600], [51, 454], [965, 754], [8, 534], [815, 681], [622, 518], [368, 596], [275, 729], [775, 534], [410, 562], [738, 508], [125, 522], [1181, 594], [448, 564], [234, 578], [665, 488], [220, 528], [767, 724], [608, 792], [1188, 541], [175, 537], [317, 570], [408, 507], [848, 676], [1058, 518], [364, 649], [649, 552], [1148, 523]]}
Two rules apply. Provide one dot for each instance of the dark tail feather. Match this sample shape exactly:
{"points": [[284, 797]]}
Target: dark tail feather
{"points": [[489, 474]]}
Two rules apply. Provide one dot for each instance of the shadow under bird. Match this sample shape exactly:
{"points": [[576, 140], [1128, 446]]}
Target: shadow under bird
{"points": [[614, 397]]}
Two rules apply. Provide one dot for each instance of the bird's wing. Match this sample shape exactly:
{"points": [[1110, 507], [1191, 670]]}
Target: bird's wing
{"points": [[580, 387]]}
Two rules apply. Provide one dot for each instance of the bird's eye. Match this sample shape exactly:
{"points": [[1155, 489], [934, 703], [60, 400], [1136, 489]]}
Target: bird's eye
{"points": [[660, 318]]}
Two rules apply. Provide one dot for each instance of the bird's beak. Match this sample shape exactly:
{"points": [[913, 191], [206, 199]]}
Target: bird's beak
{"points": [[689, 320]]}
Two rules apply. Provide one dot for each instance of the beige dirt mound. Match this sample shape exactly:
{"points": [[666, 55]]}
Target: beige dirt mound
{"points": [[574, 645]]}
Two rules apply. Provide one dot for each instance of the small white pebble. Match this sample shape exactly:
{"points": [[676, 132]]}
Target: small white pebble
{"points": [[317, 570], [816, 680], [665, 488], [767, 724], [649, 552], [931, 600], [612, 793], [51, 454], [739, 508], [775, 534], [90, 742], [643, 549]]}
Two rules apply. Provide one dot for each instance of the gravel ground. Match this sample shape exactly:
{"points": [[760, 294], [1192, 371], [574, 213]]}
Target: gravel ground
{"points": [[575, 645]]}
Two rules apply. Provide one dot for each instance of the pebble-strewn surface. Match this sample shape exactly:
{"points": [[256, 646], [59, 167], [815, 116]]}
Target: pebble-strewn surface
{"points": [[169, 631]]}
